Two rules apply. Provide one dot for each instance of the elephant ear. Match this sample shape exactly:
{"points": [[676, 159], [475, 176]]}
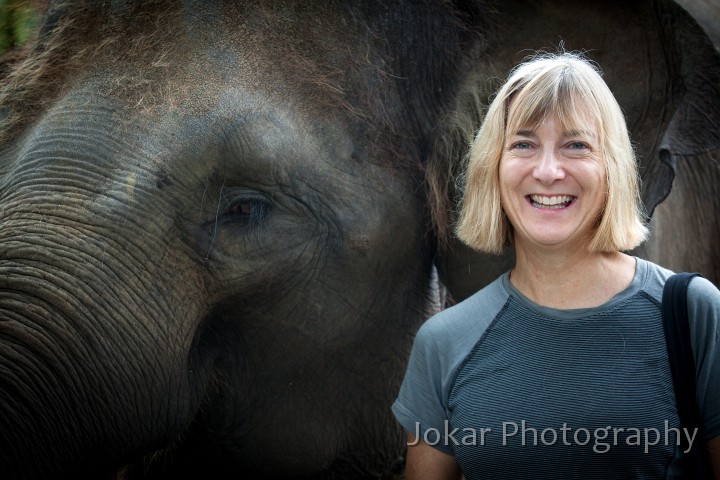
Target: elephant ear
{"points": [[694, 128], [656, 59]]}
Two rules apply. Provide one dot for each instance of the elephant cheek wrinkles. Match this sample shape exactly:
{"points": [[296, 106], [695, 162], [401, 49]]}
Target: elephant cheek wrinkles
{"points": [[97, 331], [86, 352]]}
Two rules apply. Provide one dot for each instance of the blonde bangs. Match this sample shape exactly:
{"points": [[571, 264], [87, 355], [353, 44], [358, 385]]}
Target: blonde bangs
{"points": [[558, 91]]}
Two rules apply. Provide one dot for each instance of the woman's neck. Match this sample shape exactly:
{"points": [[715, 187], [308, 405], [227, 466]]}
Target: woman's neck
{"points": [[567, 279]]}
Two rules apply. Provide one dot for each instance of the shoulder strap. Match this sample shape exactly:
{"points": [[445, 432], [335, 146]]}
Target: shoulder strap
{"points": [[682, 366]]}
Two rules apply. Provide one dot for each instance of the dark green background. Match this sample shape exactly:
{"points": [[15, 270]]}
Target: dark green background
{"points": [[18, 19]]}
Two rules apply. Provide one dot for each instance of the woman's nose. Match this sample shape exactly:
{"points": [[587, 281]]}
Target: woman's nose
{"points": [[548, 168]]}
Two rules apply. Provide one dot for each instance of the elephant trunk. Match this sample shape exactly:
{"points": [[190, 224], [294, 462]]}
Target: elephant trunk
{"points": [[97, 343]]}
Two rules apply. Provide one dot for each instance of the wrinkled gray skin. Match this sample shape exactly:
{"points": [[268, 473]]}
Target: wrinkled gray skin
{"points": [[215, 238]]}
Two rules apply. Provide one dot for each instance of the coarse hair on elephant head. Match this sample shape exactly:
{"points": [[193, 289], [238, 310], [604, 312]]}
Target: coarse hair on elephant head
{"points": [[76, 42]]}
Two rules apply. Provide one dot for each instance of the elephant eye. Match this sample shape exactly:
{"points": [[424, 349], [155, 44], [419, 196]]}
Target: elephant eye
{"points": [[241, 208], [246, 211]]}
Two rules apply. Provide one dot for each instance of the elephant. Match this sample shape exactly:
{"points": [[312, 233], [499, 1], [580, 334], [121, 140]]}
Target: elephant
{"points": [[707, 14], [221, 223]]}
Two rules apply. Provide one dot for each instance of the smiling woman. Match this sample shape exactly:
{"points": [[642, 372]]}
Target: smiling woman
{"points": [[572, 335]]}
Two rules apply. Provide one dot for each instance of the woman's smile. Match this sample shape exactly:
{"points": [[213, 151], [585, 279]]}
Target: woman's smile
{"points": [[554, 202]]}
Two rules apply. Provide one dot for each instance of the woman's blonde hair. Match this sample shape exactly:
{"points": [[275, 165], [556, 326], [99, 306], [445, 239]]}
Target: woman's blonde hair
{"points": [[570, 87]]}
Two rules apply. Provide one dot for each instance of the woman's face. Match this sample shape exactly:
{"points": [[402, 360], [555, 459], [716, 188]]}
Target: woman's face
{"points": [[552, 184]]}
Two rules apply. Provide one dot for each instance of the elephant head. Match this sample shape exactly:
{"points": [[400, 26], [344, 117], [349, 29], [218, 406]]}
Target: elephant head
{"points": [[219, 220], [214, 247]]}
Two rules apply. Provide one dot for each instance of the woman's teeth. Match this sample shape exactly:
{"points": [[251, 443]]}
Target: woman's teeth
{"points": [[557, 201]]}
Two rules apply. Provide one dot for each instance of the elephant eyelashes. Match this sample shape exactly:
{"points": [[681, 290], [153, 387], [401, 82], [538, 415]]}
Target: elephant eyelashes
{"points": [[245, 211]]}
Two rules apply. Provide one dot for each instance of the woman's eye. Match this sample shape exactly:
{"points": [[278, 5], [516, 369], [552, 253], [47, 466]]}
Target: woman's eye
{"points": [[521, 145], [578, 145]]}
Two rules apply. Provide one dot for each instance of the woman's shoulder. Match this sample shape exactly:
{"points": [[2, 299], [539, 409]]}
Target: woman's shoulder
{"points": [[468, 319], [701, 288], [703, 299], [651, 277], [655, 276]]}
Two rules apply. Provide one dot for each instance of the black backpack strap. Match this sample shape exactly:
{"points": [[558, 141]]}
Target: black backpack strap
{"points": [[682, 365]]}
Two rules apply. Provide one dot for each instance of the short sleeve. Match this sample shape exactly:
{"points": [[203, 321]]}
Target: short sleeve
{"points": [[440, 346], [704, 313], [420, 406]]}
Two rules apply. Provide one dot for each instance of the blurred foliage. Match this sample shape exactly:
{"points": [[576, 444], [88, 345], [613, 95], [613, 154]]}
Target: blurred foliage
{"points": [[18, 21]]}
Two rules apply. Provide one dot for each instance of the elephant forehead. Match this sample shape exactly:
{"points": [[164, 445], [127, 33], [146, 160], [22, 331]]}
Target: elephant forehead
{"points": [[323, 62], [246, 118], [302, 72], [307, 56]]}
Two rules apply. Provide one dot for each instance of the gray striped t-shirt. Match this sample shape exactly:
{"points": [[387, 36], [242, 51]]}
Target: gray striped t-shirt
{"points": [[516, 390]]}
